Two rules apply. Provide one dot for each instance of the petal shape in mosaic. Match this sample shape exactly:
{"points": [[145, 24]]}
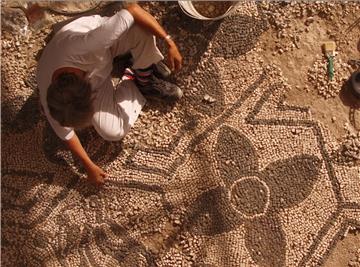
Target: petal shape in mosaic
{"points": [[265, 241], [235, 155], [291, 180]]}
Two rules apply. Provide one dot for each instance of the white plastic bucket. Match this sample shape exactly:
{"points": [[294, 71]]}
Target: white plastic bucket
{"points": [[188, 8]]}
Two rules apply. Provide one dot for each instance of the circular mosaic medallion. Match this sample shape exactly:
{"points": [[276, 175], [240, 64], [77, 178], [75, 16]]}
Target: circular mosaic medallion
{"points": [[250, 196]]}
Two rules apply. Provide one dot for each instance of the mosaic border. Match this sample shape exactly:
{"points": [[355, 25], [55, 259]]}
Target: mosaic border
{"points": [[251, 119]]}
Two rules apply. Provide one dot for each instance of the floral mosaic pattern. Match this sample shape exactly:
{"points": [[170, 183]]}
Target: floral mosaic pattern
{"points": [[280, 185]]}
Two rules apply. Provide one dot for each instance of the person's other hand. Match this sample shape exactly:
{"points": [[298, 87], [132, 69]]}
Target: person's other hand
{"points": [[174, 58], [96, 175]]}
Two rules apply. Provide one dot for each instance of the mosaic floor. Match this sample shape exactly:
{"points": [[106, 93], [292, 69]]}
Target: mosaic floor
{"points": [[244, 181]]}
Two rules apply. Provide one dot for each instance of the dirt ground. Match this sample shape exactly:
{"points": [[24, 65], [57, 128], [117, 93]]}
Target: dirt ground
{"points": [[295, 65], [346, 252]]}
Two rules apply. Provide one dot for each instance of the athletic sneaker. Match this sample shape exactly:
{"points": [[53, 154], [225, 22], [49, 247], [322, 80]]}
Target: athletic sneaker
{"points": [[161, 70], [161, 89]]}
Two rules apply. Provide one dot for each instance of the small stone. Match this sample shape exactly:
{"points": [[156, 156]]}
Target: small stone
{"points": [[209, 99], [212, 100], [333, 119], [309, 20]]}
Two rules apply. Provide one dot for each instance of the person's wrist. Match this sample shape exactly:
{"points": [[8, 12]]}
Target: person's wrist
{"points": [[168, 39], [89, 166]]}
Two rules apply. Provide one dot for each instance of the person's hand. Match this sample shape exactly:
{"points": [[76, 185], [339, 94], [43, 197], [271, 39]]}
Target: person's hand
{"points": [[96, 175], [174, 57]]}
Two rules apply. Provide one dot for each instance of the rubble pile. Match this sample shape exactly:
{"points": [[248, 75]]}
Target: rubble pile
{"points": [[318, 76], [281, 17], [350, 148]]}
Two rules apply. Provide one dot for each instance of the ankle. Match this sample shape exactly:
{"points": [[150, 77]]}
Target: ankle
{"points": [[144, 76]]}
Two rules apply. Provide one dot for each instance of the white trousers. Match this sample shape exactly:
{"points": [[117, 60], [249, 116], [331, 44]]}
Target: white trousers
{"points": [[116, 109]]}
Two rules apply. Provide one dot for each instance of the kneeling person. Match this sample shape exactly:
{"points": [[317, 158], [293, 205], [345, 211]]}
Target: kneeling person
{"points": [[74, 77]]}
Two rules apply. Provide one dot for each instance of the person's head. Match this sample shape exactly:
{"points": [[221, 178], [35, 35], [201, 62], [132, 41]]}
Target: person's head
{"points": [[69, 99]]}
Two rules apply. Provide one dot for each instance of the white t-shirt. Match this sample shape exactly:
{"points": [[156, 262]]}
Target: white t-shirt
{"points": [[84, 44]]}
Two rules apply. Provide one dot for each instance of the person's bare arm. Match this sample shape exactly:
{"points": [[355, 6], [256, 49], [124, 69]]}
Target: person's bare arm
{"points": [[95, 174], [148, 22]]}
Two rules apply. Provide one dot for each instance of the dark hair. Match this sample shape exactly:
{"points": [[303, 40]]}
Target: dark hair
{"points": [[69, 99]]}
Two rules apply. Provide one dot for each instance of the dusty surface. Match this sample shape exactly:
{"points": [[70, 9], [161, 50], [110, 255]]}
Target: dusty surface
{"points": [[232, 175], [346, 252], [328, 24]]}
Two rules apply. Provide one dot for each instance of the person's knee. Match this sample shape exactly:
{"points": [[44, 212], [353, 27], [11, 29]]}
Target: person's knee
{"points": [[112, 136]]}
